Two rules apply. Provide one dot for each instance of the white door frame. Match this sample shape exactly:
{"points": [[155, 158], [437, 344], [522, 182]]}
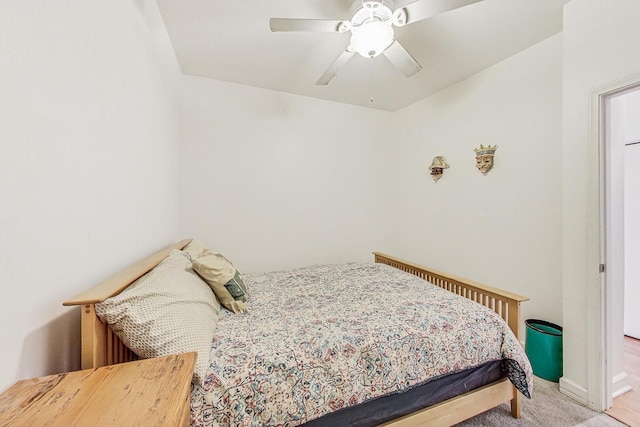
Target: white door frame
{"points": [[599, 295]]}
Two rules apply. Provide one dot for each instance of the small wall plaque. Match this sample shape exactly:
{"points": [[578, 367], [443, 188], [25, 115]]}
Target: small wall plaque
{"points": [[484, 157], [437, 167]]}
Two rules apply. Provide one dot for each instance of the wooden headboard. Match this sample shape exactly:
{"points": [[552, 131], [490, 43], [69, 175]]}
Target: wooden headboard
{"points": [[100, 346]]}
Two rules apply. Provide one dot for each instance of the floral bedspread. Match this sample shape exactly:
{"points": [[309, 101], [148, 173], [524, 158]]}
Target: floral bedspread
{"points": [[322, 338]]}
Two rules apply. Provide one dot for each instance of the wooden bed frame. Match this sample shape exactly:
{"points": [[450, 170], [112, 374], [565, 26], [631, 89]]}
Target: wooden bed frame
{"points": [[101, 347]]}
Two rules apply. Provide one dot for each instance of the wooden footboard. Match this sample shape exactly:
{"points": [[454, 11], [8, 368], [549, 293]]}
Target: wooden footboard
{"points": [[507, 305], [101, 347]]}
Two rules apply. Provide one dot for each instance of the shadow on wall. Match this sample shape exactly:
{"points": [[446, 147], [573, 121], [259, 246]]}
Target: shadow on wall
{"points": [[53, 348]]}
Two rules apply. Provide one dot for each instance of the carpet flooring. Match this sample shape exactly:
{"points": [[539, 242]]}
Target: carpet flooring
{"points": [[548, 407]]}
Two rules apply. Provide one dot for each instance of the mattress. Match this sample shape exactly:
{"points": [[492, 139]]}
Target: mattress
{"points": [[324, 339], [386, 408]]}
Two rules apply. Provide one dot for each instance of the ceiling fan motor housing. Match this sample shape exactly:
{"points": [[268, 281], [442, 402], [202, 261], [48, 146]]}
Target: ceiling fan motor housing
{"points": [[369, 10]]}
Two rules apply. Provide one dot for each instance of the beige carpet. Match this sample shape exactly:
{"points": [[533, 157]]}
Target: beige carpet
{"points": [[548, 407]]}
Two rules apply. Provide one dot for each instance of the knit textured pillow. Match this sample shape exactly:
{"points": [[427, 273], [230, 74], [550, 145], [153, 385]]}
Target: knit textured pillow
{"points": [[169, 310], [225, 280]]}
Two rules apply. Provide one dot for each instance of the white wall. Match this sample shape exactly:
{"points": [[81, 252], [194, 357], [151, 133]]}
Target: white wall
{"points": [[273, 180], [89, 136], [601, 45], [503, 228]]}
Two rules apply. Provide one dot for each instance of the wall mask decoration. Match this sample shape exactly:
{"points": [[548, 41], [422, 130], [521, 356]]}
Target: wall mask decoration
{"points": [[484, 157], [437, 167]]}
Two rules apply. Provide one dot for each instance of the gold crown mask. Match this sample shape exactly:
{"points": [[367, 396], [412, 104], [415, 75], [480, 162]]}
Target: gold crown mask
{"points": [[483, 151]]}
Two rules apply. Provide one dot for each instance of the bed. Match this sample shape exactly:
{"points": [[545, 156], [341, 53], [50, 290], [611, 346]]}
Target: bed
{"points": [[428, 386]]}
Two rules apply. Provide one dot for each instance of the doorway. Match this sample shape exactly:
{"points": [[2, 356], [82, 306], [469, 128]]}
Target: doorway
{"points": [[632, 230], [621, 179]]}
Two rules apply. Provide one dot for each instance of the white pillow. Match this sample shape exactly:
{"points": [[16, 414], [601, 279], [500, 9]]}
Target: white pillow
{"points": [[167, 311]]}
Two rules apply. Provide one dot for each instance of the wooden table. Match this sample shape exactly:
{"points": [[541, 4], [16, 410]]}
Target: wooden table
{"points": [[151, 392]]}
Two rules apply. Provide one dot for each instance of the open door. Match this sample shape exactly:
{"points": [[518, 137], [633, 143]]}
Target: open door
{"points": [[632, 240]]}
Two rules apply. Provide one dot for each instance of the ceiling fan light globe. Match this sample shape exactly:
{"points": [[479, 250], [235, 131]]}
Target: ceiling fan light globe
{"points": [[371, 38]]}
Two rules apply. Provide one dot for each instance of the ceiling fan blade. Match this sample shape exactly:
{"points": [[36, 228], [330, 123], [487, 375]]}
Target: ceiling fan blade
{"points": [[423, 9], [333, 69], [315, 25], [402, 59]]}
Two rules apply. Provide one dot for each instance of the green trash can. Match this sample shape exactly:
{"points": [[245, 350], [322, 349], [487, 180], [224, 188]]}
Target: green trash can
{"points": [[543, 346]]}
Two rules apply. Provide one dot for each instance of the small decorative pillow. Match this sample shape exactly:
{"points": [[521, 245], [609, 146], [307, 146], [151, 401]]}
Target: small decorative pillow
{"points": [[227, 283], [167, 311]]}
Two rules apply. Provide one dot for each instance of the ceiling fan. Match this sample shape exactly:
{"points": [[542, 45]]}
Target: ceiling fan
{"points": [[371, 27]]}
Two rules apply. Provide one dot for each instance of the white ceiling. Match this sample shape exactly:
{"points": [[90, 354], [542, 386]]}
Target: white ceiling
{"points": [[231, 41]]}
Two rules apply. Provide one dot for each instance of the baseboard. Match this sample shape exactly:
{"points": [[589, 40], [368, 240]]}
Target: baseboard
{"points": [[620, 384], [574, 391]]}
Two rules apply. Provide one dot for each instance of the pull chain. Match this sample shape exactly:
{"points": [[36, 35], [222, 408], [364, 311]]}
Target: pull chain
{"points": [[373, 80]]}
